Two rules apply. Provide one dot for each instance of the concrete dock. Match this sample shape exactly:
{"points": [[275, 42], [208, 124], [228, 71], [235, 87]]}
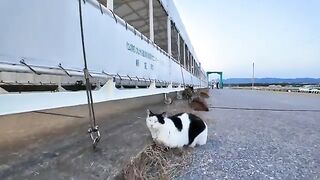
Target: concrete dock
{"points": [[279, 141], [53, 144], [252, 135]]}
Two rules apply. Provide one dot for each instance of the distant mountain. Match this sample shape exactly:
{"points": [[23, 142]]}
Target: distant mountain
{"points": [[273, 81]]}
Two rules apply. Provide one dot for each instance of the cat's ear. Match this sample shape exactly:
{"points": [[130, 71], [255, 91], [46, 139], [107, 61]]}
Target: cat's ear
{"points": [[164, 114], [149, 113]]}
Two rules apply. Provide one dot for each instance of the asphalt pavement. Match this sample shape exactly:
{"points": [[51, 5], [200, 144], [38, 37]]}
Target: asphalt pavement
{"points": [[252, 135], [259, 135]]}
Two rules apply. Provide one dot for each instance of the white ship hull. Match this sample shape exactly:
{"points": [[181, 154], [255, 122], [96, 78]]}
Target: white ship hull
{"points": [[40, 44]]}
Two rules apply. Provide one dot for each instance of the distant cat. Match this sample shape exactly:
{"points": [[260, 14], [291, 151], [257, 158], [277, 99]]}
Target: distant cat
{"points": [[203, 94], [199, 104], [178, 130], [188, 92]]}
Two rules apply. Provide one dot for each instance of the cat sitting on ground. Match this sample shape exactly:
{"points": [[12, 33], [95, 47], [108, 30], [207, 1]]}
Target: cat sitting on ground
{"points": [[196, 99], [203, 94], [188, 92], [178, 130]]}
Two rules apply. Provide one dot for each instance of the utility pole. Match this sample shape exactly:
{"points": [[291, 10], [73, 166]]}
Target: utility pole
{"points": [[252, 75]]}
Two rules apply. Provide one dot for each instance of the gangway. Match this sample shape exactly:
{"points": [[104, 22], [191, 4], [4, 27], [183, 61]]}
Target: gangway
{"points": [[220, 74]]}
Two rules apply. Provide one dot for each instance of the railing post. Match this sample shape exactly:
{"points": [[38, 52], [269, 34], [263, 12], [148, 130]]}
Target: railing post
{"points": [[179, 52], [151, 20], [110, 4], [184, 55], [169, 35]]}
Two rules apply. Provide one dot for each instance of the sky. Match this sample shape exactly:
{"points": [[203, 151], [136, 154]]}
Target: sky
{"points": [[282, 37]]}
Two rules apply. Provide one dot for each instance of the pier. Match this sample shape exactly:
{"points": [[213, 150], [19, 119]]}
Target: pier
{"points": [[252, 135]]}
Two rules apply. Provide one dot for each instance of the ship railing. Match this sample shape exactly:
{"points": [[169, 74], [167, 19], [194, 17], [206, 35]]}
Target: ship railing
{"points": [[25, 77], [75, 75]]}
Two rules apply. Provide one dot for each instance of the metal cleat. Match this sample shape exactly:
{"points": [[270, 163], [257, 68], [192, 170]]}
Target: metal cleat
{"points": [[94, 135]]}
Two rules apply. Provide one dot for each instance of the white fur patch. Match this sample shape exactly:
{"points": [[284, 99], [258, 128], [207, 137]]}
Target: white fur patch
{"points": [[168, 134]]}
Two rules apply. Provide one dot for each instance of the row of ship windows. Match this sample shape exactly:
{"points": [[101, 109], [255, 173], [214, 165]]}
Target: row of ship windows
{"points": [[136, 13]]}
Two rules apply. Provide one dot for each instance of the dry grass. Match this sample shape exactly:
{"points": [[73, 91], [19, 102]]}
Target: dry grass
{"points": [[158, 162]]}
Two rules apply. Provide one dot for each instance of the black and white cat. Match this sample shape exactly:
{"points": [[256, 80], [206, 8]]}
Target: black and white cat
{"points": [[178, 130]]}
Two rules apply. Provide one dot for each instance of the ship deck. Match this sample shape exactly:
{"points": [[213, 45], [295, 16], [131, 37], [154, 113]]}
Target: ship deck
{"points": [[244, 142]]}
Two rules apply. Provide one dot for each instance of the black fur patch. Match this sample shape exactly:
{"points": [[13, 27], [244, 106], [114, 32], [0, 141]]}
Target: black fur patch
{"points": [[160, 118], [177, 121], [196, 127]]}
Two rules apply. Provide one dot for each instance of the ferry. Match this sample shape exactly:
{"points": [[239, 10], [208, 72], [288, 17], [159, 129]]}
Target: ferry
{"points": [[131, 48]]}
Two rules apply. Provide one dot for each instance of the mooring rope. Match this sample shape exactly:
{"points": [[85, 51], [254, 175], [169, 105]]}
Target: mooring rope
{"points": [[93, 130]]}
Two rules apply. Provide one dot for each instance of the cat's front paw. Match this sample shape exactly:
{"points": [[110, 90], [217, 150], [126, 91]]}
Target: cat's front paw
{"points": [[159, 141], [154, 139]]}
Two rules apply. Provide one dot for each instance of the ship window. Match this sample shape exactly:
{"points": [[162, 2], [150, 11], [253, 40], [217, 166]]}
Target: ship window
{"points": [[174, 41], [197, 71], [137, 62], [186, 65], [181, 51], [160, 23], [151, 66], [145, 66], [194, 69], [135, 13], [190, 61], [194, 66], [191, 64]]}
